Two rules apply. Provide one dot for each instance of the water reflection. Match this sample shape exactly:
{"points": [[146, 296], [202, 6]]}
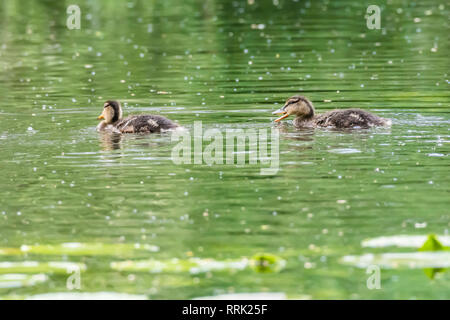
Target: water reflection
{"points": [[110, 140]]}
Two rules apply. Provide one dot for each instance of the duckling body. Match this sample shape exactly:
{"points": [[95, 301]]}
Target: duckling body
{"points": [[112, 121], [348, 118], [145, 124], [304, 111]]}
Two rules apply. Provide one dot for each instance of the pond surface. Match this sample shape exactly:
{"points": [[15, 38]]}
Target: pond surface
{"points": [[134, 222]]}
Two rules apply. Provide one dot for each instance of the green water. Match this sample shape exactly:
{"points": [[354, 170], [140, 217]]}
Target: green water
{"points": [[227, 64]]}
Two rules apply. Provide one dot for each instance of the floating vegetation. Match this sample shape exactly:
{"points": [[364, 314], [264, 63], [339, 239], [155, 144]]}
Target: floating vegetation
{"points": [[259, 263], [18, 280], [40, 267], [247, 296], [432, 244], [411, 260], [266, 262], [433, 256], [87, 296], [345, 151], [80, 249], [403, 241], [192, 265]]}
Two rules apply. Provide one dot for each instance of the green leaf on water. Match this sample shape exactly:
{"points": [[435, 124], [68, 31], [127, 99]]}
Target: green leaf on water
{"points": [[431, 272], [432, 244], [266, 262]]}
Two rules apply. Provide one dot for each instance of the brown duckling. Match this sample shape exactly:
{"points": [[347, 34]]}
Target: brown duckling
{"points": [[303, 109], [112, 121]]}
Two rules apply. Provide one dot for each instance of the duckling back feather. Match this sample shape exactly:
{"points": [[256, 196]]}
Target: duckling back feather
{"points": [[349, 118], [145, 124]]}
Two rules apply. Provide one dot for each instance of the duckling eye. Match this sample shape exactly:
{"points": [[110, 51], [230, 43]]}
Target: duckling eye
{"points": [[291, 102]]}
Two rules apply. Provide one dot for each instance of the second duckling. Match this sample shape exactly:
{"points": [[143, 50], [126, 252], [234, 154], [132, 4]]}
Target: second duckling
{"points": [[112, 121], [304, 111]]}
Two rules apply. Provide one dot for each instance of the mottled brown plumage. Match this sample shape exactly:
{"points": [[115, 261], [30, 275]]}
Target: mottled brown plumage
{"points": [[349, 118], [112, 121], [145, 124], [303, 109]]}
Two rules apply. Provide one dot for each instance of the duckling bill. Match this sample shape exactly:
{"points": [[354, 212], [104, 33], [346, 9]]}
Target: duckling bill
{"points": [[112, 121], [305, 116]]}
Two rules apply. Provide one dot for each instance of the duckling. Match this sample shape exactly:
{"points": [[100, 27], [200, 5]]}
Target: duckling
{"points": [[303, 109], [112, 121]]}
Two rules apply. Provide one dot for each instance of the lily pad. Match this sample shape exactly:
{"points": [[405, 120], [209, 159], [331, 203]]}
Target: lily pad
{"points": [[413, 260], [80, 249], [404, 241], [18, 280], [40, 267], [199, 265], [192, 265], [87, 296], [247, 296]]}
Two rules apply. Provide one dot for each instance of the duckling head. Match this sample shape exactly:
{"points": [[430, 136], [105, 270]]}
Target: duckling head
{"points": [[112, 112], [299, 106]]}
